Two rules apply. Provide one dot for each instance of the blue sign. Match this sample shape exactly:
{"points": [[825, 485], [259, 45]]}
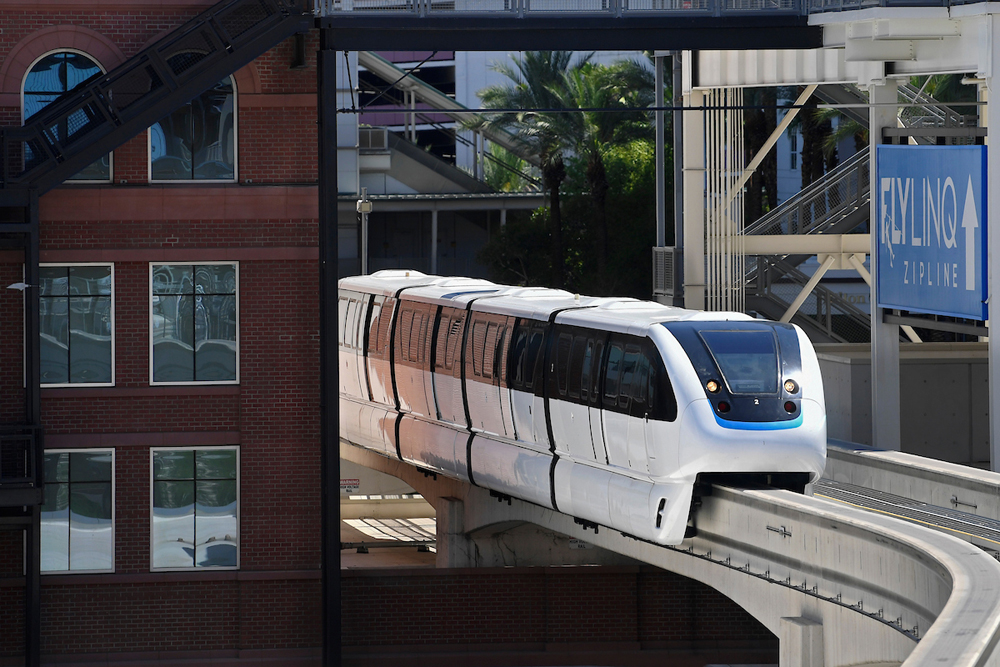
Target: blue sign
{"points": [[931, 204]]}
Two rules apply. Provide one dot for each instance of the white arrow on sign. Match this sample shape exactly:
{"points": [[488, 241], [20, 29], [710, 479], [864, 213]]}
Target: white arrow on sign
{"points": [[969, 223]]}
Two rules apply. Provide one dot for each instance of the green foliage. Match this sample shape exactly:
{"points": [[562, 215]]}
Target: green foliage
{"points": [[518, 254]]}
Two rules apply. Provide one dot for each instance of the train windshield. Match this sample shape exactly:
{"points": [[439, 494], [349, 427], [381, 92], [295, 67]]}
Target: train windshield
{"points": [[747, 359]]}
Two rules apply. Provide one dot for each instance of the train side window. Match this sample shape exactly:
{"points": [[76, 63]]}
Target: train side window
{"points": [[500, 368], [612, 375], [595, 374], [454, 340], [534, 359], [417, 329], [576, 362], [373, 324], [588, 362], [343, 303], [630, 366], [563, 346], [490, 350], [478, 347], [518, 356], [660, 394], [405, 341], [442, 340]]}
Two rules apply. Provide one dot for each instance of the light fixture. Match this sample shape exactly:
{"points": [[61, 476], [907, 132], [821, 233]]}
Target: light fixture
{"points": [[20, 286]]}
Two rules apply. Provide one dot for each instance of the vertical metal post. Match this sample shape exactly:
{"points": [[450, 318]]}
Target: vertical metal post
{"points": [[885, 337], [434, 240], [993, 244], [33, 417], [661, 186], [329, 380]]}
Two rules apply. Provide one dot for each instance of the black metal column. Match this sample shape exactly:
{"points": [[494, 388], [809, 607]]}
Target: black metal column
{"points": [[329, 379], [33, 417]]}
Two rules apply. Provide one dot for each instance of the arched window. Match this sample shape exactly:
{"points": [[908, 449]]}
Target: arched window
{"points": [[197, 142], [51, 76]]}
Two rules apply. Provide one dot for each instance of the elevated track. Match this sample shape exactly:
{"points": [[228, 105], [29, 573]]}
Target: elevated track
{"points": [[866, 585]]}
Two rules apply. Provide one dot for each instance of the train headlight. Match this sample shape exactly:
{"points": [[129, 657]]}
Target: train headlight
{"points": [[791, 387], [713, 386]]}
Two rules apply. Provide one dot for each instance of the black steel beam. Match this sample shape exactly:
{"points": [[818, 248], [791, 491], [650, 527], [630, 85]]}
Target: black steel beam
{"points": [[579, 33], [328, 365], [22, 497]]}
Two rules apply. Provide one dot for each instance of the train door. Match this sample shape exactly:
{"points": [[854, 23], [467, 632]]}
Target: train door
{"points": [[379, 367], [590, 386], [632, 399], [447, 365], [615, 420], [526, 348]]}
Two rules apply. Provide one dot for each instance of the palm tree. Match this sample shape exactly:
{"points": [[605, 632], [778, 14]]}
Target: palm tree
{"points": [[530, 111], [608, 99]]}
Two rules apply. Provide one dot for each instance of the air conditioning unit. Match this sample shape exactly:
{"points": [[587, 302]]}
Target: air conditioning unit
{"points": [[666, 272]]}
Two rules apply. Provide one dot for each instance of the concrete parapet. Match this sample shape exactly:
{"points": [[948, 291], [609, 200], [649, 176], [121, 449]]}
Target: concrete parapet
{"points": [[944, 398]]}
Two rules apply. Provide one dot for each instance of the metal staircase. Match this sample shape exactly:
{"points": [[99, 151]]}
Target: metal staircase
{"points": [[835, 204], [109, 109]]}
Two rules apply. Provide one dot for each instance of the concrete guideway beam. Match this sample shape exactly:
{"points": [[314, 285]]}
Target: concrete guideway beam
{"points": [[882, 590]]}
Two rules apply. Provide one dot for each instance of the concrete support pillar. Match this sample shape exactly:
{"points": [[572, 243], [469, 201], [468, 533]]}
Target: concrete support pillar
{"points": [[800, 642], [694, 201], [885, 337], [454, 548]]}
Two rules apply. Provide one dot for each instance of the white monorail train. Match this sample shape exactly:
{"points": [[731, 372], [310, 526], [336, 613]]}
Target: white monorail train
{"points": [[610, 410]]}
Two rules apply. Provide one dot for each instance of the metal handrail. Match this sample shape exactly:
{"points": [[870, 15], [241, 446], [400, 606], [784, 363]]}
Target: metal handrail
{"points": [[824, 309], [821, 204]]}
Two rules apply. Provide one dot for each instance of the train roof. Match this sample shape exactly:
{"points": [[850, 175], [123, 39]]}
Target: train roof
{"points": [[617, 313]]}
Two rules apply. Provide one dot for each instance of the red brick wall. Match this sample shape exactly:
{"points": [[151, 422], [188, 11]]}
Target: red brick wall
{"points": [[527, 605]]}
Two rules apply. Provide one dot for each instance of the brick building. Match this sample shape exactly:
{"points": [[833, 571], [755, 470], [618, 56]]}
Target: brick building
{"points": [[178, 327]]}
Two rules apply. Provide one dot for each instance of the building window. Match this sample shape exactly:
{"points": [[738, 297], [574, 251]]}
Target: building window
{"points": [[76, 315], [794, 147], [195, 508], [197, 142], [194, 321], [51, 76], [78, 517]]}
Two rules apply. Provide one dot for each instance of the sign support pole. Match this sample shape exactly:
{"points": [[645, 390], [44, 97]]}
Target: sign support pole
{"points": [[885, 337], [993, 248]]}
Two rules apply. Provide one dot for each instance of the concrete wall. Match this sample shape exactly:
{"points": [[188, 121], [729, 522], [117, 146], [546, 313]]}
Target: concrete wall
{"points": [[944, 398]]}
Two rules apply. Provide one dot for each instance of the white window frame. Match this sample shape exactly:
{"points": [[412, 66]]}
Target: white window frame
{"points": [[46, 385], [114, 509], [111, 154], [152, 382], [236, 150], [239, 513]]}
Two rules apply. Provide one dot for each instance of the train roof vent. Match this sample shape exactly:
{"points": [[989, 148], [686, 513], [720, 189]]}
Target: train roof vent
{"points": [[632, 305], [398, 273], [462, 282], [540, 293]]}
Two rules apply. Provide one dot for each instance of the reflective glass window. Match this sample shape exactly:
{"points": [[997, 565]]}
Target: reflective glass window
{"points": [[748, 360], [50, 77], [198, 140], [194, 323], [76, 317], [195, 522], [77, 527]]}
